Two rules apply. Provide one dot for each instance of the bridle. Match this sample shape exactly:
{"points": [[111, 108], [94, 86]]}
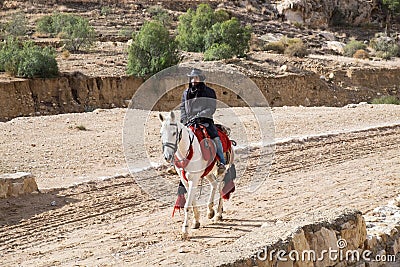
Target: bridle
{"points": [[178, 135], [174, 146]]}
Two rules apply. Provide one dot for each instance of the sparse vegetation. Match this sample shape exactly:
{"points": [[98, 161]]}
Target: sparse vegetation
{"points": [[278, 47], [160, 14], [386, 100], [385, 46], [105, 10], [392, 8], [152, 50], [352, 47], [65, 54], [289, 46], [296, 48], [125, 32], [74, 30], [25, 59], [16, 26]]}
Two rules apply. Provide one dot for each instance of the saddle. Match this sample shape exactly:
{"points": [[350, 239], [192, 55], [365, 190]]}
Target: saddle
{"points": [[207, 146]]}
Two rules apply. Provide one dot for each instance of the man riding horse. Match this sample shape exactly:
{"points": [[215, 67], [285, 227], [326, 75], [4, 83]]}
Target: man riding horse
{"points": [[198, 106]]}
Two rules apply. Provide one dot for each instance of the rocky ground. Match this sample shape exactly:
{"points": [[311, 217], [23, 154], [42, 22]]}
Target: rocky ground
{"points": [[92, 212], [352, 161]]}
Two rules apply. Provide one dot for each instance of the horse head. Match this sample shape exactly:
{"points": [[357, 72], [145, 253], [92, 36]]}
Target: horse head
{"points": [[170, 132]]}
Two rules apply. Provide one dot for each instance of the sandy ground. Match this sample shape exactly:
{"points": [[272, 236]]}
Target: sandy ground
{"points": [[352, 161]]}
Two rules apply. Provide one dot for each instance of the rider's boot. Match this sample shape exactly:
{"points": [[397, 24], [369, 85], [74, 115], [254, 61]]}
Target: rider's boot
{"points": [[220, 153]]}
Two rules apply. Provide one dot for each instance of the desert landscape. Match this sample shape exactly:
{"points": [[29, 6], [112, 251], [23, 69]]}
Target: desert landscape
{"points": [[334, 166]]}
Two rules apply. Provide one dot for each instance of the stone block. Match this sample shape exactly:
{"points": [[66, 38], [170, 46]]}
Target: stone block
{"points": [[354, 232], [16, 184], [324, 239], [299, 244]]}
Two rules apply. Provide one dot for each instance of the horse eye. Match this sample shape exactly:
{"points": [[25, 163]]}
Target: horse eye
{"points": [[173, 134]]}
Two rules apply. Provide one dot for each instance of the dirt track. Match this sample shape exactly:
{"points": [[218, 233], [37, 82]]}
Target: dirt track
{"points": [[112, 222]]}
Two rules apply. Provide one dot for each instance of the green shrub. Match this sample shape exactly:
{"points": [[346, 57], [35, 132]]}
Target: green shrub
{"points": [[37, 62], [17, 26], [9, 53], [105, 10], [218, 51], [55, 23], [386, 100], [27, 59], [385, 47], [152, 50], [351, 47], [125, 32], [160, 14], [78, 36], [193, 26], [75, 30], [231, 33], [221, 15]]}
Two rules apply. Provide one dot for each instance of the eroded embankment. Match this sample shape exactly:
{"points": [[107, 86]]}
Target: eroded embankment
{"points": [[79, 93]]}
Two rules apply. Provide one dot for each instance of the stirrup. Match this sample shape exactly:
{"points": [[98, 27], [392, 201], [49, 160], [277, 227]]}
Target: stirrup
{"points": [[221, 168]]}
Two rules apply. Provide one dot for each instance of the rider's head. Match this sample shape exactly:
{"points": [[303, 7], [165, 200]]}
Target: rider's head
{"points": [[196, 77]]}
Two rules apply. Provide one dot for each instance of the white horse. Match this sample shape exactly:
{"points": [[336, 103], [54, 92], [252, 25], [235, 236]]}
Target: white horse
{"points": [[177, 140]]}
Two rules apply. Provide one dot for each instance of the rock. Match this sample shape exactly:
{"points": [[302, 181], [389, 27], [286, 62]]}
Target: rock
{"points": [[16, 184], [336, 46], [323, 239], [283, 68], [320, 14], [299, 243], [354, 232], [328, 36]]}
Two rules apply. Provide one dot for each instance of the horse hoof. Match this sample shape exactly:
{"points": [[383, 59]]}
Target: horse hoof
{"points": [[218, 218], [210, 214], [185, 236], [196, 225]]}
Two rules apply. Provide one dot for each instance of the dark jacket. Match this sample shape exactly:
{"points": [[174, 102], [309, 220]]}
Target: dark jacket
{"points": [[198, 102]]}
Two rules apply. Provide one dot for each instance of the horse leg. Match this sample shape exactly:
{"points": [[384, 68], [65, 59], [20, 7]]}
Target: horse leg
{"points": [[191, 191], [210, 204], [218, 218], [196, 213]]}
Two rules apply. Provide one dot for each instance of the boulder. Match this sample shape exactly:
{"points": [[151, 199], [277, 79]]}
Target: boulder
{"points": [[16, 184], [320, 14]]}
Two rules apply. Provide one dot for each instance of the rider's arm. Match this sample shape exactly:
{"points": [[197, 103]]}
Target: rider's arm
{"points": [[184, 117]]}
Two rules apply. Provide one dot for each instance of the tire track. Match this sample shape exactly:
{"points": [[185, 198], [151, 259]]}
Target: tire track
{"points": [[97, 202]]}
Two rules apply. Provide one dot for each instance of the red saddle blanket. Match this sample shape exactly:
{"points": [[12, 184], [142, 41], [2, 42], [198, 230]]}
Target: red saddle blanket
{"points": [[207, 145]]}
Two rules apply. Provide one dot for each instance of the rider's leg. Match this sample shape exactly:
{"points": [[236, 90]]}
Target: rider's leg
{"points": [[220, 151], [213, 132]]}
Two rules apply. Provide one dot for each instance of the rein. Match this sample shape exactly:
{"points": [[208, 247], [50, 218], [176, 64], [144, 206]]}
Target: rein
{"points": [[174, 146]]}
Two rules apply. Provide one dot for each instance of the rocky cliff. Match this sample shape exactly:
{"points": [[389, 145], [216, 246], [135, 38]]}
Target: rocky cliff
{"points": [[326, 13]]}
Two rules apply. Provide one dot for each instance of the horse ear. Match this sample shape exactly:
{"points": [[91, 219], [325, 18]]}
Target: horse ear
{"points": [[161, 117], [172, 116]]}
